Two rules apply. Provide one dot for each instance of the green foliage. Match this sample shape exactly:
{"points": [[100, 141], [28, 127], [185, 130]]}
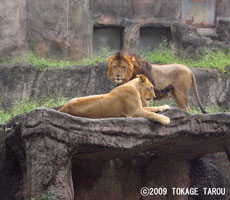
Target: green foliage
{"points": [[5, 116], [208, 58], [42, 63], [210, 110], [192, 110], [164, 54], [3, 62], [23, 107], [45, 102], [50, 195], [211, 58], [102, 57]]}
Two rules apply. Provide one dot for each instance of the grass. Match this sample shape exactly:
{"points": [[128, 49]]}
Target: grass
{"points": [[102, 57], [50, 195], [209, 110], [19, 108], [192, 110], [42, 63], [23, 107], [165, 54], [208, 58]]}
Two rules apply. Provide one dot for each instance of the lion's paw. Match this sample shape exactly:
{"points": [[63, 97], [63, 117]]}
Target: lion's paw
{"points": [[165, 107], [165, 121]]}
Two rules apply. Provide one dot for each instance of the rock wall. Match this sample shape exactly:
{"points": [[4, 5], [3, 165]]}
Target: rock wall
{"points": [[13, 27], [59, 28], [213, 88], [223, 30], [223, 9], [10, 169], [84, 159], [20, 82], [64, 29], [71, 33]]}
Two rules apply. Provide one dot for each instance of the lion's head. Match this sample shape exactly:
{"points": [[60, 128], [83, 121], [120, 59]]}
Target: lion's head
{"points": [[146, 89], [120, 67]]}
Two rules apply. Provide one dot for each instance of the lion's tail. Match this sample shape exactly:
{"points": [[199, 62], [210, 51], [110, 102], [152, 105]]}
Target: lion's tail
{"points": [[197, 94]]}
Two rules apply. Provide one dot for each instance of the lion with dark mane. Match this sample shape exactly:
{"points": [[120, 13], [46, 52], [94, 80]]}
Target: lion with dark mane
{"points": [[171, 79]]}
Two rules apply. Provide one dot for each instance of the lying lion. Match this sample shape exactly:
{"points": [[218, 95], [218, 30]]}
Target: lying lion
{"points": [[171, 79], [123, 101]]}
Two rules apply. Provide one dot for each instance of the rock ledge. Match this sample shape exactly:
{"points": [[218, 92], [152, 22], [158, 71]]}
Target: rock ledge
{"points": [[50, 143]]}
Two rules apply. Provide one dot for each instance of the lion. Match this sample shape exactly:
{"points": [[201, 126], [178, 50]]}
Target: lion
{"points": [[168, 80], [123, 101]]}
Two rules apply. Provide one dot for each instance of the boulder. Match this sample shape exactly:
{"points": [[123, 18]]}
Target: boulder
{"points": [[223, 29], [223, 99], [189, 42], [186, 38], [211, 84], [206, 173], [112, 158]]}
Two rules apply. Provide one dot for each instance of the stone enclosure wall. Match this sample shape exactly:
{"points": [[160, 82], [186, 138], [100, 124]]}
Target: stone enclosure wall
{"points": [[21, 83], [67, 29]]}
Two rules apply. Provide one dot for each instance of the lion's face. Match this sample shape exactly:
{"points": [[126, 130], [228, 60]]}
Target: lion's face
{"points": [[146, 89], [120, 68]]}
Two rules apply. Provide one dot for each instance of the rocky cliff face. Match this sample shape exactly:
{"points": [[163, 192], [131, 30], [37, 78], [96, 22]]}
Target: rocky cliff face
{"points": [[112, 158], [59, 28], [13, 27], [65, 29], [20, 82]]}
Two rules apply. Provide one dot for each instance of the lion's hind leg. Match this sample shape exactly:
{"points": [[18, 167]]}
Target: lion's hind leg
{"points": [[181, 99], [152, 116]]}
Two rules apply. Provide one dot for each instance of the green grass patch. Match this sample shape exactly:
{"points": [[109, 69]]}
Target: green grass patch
{"points": [[42, 63], [49, 196], [164, 54], [19, 108], [209, 110], [3, 62], [192, 110], [208, 58], [45, 102], [102, 57]]}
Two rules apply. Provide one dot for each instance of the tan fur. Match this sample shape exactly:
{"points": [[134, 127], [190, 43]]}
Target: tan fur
{"points": [[123, 101], [171, 79]]}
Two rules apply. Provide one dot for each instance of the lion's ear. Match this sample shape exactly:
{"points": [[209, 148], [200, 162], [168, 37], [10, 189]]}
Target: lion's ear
{"points": [[142, 78], [133, 59], [110, 59]]}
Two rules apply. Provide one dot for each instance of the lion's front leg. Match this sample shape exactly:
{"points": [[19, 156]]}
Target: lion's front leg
{"points": [[152, 116], [145, 104], [157, 109]]}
